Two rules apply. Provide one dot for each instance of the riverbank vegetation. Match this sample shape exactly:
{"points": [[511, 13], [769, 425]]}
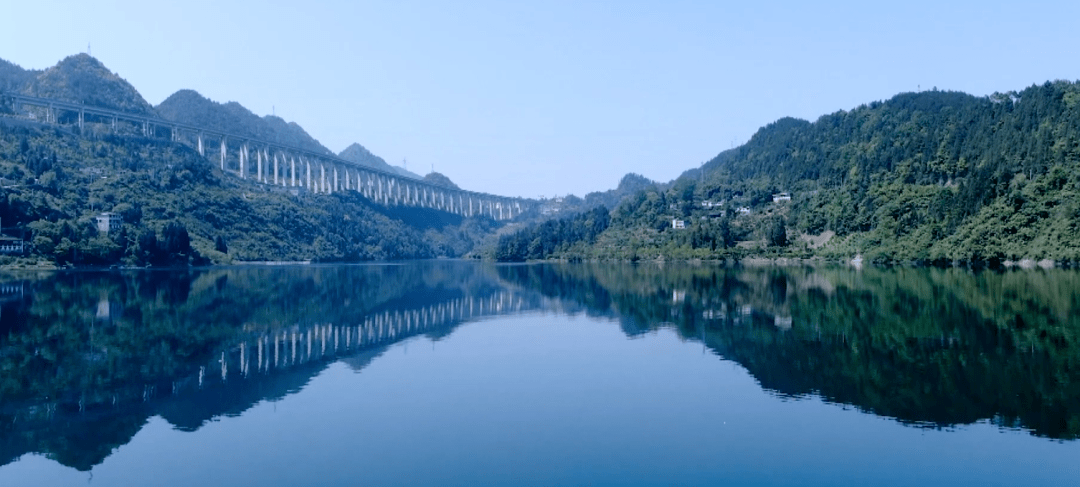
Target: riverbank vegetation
{"points": [[177, 208], [933, 177]]}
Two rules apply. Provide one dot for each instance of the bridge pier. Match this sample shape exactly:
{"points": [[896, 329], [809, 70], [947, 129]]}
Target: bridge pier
{"points": [[224, 148], [243, 160], [307, 165]]}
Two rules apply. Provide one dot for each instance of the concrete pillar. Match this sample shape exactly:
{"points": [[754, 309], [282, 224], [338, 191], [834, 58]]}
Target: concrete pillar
{"points": [[308, 164], [259, 169], [82, 116], [336, 187], [275, 169], [266, 170], [322, 178], [292, 171], [243, 160], [199, 141], [223, 149]]}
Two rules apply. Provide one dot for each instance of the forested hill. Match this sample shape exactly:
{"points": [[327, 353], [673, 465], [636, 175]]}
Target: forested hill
{"points": [[933, 176], [176, 206], [360, 155], [189, 107], [79, 79], [14, 77]]}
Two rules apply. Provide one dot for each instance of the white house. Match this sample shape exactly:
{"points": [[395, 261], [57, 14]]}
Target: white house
{"points": [[109, 222]]}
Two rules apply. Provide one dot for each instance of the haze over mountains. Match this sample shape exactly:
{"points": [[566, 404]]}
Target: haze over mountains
{"points": [[83, 79]]}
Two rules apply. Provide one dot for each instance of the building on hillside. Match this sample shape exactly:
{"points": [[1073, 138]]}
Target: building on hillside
{"points": [[109, 222], [778, 197], [676, 223], [742, 210]]}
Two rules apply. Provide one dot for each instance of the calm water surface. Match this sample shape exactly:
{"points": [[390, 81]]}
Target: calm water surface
{"points": [[457, 373]]}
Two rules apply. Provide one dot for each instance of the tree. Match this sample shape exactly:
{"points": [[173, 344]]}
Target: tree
{"points": [[776, 232], [219, 245], [176, 242]]}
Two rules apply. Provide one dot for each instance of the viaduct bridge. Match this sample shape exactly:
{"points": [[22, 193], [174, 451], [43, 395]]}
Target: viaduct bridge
{"points": [[274, 164]]}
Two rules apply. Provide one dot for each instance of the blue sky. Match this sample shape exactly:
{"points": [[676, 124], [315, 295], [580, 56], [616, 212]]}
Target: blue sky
{"points": [[547, 98]]}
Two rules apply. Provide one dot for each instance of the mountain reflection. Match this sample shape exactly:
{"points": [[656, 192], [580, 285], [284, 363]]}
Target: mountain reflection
{"points": [[929, 347], [89, 357]]}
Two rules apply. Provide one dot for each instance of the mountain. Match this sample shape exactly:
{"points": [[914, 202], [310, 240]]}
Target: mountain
{"points": [[13, 77], [83, 79], [440, 180], [928, 177], [629, 184], [176, 206], [358, 154], [189, 107]]}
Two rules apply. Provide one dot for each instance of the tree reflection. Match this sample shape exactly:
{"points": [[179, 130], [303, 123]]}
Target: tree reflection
{"points": [[925, 346]]}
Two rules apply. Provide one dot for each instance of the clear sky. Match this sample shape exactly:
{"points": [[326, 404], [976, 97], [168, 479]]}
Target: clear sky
{"points": [[553, 97]]}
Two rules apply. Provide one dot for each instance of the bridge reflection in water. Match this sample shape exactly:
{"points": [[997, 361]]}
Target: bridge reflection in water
{"points": [[193, 347], [279, 349]]}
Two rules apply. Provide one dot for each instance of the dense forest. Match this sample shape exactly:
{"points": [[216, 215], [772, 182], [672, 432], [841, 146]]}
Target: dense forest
{"points": [[929, 177], [553, 238], [177, 207]]}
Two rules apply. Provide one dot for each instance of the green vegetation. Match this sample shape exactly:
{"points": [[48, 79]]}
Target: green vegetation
{"points": [[358, 154], [177, 207], [55, 183], [83, 79], [191, 108], [553, 238], [930, 177]]}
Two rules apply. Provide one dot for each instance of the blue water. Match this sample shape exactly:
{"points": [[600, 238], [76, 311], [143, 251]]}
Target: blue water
{"points": [[545, 395]]}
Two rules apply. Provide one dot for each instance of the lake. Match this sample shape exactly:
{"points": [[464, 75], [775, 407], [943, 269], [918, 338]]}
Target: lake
{"points": [[466, 373]]}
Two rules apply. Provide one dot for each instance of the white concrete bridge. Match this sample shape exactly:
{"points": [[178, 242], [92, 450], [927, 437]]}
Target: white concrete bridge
{"points": [[273, 164]]}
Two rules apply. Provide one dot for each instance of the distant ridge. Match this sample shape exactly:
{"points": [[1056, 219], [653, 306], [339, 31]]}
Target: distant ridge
{"points": [[440, 179], [83, 79], [15, 78], [189, 107], [358, 154]]}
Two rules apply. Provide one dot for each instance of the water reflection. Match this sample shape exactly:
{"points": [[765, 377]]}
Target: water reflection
{"points": [[89, 357], [929, 347]]}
